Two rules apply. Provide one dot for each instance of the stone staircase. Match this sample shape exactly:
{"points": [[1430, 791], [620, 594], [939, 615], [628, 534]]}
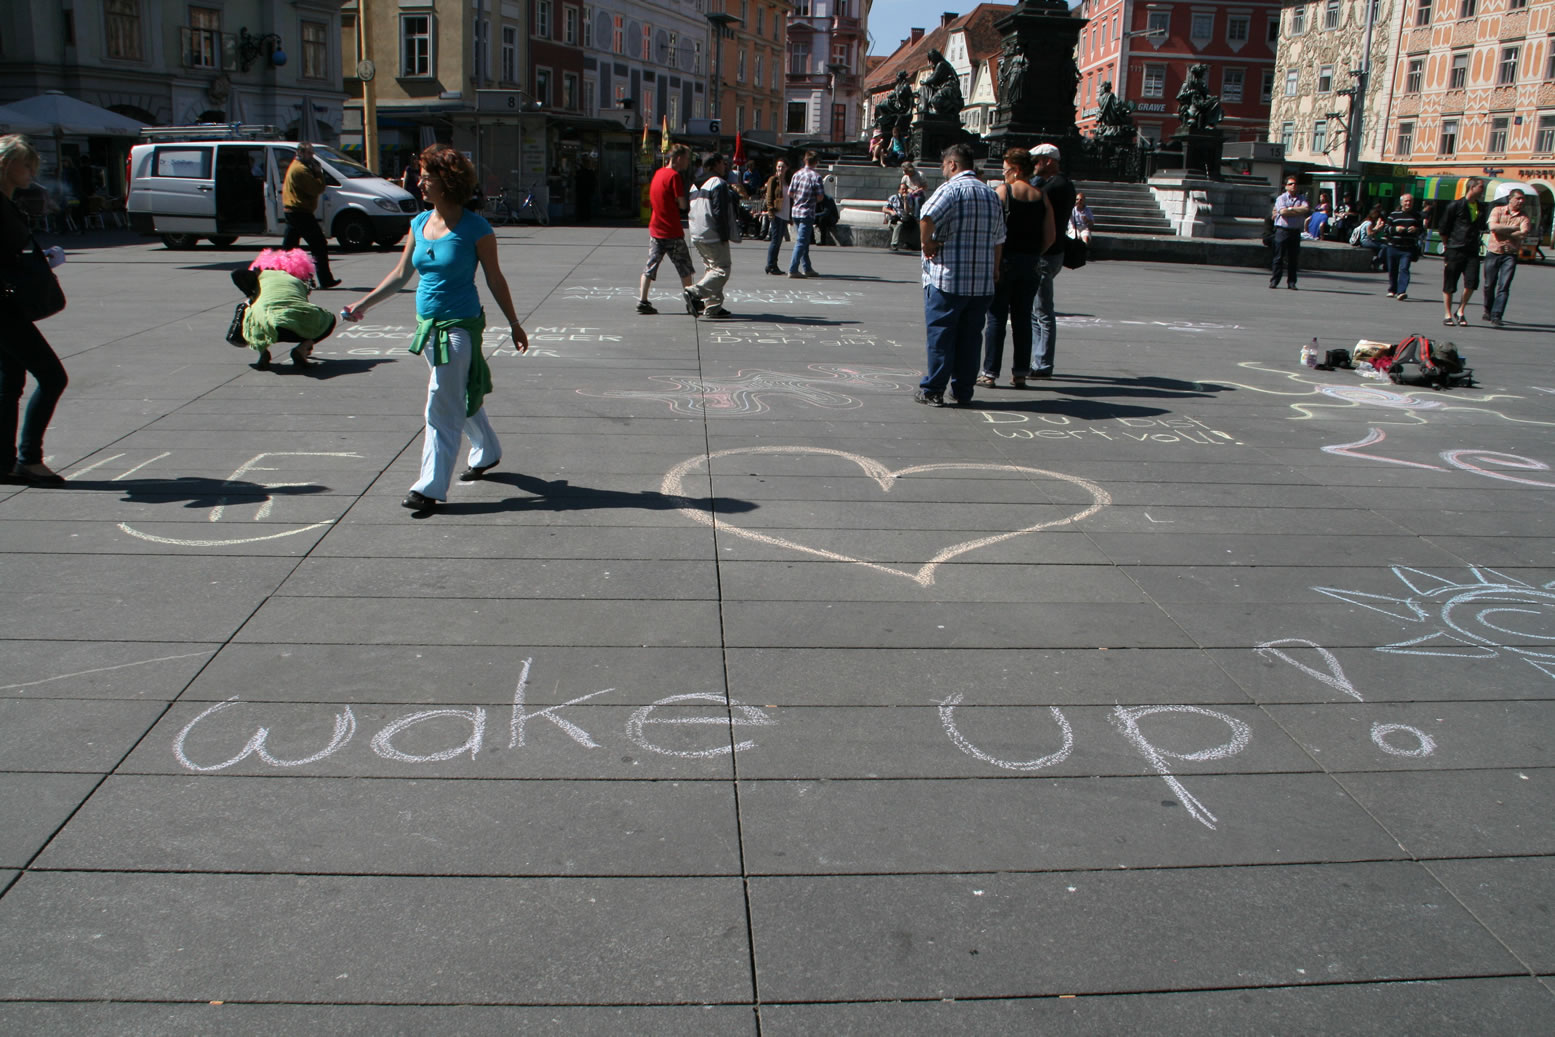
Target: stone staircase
{"points": [[860, 191], [1124, 208]]}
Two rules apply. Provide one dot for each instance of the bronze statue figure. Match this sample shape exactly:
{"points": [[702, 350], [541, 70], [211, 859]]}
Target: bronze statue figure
{"points": [[1198, 109], [1115, 117], [942, 91], [895, 112], [1012, 76]]}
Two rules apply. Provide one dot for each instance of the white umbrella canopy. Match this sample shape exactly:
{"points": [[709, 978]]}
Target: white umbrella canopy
{"points": [[55, 112], [13, 121]]}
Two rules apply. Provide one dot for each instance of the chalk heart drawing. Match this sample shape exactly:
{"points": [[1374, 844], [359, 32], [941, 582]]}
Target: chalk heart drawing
{"points": [[885, 478]]}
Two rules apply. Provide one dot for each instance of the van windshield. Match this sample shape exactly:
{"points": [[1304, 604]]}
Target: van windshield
{"points": [[349, 168]]}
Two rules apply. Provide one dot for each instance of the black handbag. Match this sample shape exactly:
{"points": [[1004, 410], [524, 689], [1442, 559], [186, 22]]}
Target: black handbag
{"points": [[235, 329], [1074, 253], [29, 286]]}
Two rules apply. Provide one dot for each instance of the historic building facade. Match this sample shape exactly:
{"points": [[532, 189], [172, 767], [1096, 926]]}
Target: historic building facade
{"points": [[823, 92], [750, 65], [1146, 49], [971, 43]]}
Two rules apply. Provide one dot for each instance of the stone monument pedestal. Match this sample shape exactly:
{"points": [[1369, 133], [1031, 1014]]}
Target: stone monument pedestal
{"points": [[1201, 151], [932, 134]]}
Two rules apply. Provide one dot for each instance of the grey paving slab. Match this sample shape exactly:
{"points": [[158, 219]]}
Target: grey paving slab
{"points": [[1018, 582], [52, 734], [52, 536], [119, 1019], [100, 669], [378, 940], [949, 624], [1236, 549], [688, 739], [1458, 1006], [1062, 545], [1376, 673], [1500, 893], [358, 538], [32, 807], [1469, 813], [176, 503], [855, 937], [72, 596], [455, 675], [475, 621], [419, 827], [1462, 736], [804, 676], [1039, 823], [615, 579]]}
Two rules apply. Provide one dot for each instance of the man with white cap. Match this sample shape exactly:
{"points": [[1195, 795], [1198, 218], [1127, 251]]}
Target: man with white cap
{"points": [[1055, 186]]}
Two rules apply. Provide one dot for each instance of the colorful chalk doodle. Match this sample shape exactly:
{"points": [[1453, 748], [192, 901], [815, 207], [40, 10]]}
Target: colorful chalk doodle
{"points": [[1325, 396], [748, 392]]}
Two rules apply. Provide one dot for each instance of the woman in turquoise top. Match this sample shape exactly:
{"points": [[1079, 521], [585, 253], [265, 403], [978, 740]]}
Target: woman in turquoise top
{"points": [[446, 244]]}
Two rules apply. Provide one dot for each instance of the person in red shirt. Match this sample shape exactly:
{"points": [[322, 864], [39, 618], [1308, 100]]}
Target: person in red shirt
{"points": [[668, 197]]}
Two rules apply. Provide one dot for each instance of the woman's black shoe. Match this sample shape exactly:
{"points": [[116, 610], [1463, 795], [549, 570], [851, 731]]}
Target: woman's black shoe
{"points": [[418, 502], [472, 474]]}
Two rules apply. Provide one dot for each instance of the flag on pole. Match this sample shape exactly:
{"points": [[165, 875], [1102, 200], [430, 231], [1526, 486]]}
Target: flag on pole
{"points": [[664, 133], [739, 149], [645, 135]]}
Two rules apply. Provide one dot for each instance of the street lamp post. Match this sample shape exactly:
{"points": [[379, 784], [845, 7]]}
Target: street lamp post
{"points": [[718, 23]]}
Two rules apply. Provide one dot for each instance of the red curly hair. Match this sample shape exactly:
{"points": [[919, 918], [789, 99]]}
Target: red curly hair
{"points": [[450, 171]]}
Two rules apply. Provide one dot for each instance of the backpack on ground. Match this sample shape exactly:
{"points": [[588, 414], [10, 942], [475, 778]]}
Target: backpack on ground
{"points": [[1435, 365]]}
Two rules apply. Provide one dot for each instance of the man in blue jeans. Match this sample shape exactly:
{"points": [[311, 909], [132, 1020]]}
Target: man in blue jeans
{"points": [[1060, 192], [962, 229], [804, 195]]}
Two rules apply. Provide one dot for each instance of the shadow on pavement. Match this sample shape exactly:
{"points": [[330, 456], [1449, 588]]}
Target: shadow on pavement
{"points": [[561, 495], [1082, 410], [785, 318], [326, 367], [1161, 388], [196, 491]]}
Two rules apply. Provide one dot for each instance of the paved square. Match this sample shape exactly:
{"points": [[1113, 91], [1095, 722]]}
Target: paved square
{"points": [[1191, 691]]}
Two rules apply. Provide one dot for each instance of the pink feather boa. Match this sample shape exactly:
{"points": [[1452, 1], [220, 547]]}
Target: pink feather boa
{"points": [[295, 261]]}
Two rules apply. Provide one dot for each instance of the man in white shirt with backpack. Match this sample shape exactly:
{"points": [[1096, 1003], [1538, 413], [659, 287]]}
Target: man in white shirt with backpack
{"points": [[714, 225]]}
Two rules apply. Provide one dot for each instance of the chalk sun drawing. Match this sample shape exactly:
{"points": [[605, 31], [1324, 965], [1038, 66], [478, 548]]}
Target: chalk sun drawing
{"points": [[748, 392], [885, 478], [1480, 616]]}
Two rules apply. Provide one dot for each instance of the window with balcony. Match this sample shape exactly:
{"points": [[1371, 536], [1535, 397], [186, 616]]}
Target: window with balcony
{"points": [[543, 19], [1415, 74], [1238, 28], [1154, 82], [1202, 27], [1325, 79], [1331, 14], [315, 50], [415, 46], [1498, 129], [1320, 136], [1506, 68], [1231, 82], [509, 54], [1458, 76], [1405, 145], [1544, 139], [121, 20], [1447, 143], [1292, 79], [1423, 12], [204, 49]]}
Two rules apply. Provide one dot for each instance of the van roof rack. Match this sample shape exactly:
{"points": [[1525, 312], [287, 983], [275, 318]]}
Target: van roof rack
{"points": [[211, 131]]}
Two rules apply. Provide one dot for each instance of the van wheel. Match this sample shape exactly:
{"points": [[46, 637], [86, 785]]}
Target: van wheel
{"points": [[223, 240], [353, 231], [180, 241]]}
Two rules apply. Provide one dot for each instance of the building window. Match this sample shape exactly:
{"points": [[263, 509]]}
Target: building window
{"points": [[315, 50], [1155, 81], [1158, 24], [482, 49], [588, 27], [543, 19], [1292, 77], [1320, 136], [1203, 26], [1498, 128], [1266, 89], [1238, 27], [1459, 76], [758, 76], [204, 38], [647, 44], [797, 118], [570, 91], [415, 46], [1447, 144], [799, 60], [1423, 12], [1406, 139], [1549, 66], [1416, 73], [1468, 9], [1506, 71], [696, 57], [739, 66], [1331, 14], [761, 30], [543, 86], [1287, 135], [755, 116], [509, 54], [1516, 5], [122, 21], [1272, 36], [1544, 143], [617, 34], [590, 94], [1298, 20], [1231, 81], [569, 25], [1325, 79]]}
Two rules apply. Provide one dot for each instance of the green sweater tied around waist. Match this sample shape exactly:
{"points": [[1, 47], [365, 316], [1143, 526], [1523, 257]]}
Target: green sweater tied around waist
{"points": [[433, 331]]}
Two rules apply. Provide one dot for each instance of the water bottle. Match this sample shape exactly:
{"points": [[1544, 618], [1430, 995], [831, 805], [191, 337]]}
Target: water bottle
{"points": [[1309, 355], [345, 314]]}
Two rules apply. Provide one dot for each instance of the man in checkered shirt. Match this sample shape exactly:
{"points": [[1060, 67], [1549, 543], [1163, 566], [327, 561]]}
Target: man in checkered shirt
{"points": [[962, 230], [805, 192]]}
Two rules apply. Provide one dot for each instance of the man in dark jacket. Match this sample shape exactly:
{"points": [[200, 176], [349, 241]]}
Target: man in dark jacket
{"points": [[714, 225], [1462, 223], [300, 193]]}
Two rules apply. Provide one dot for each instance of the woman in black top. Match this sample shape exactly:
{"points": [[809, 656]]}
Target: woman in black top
{"points": [[23, 349], [1030, 231]]}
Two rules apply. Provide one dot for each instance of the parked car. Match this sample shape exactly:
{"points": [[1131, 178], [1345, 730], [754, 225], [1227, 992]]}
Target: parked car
{"points": [[221, 189]]}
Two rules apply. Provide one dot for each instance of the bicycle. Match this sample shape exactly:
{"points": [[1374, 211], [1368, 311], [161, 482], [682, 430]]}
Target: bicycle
{"points": [[515, 206]]}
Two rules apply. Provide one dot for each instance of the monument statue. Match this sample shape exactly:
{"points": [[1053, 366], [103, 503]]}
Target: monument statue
{"points": [[942, 90], [1198, 109], [895, 112], [1115, 117], [1012, 76]]}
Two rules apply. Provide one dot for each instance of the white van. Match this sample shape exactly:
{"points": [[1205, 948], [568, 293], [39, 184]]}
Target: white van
{"points": [[186, 190]]}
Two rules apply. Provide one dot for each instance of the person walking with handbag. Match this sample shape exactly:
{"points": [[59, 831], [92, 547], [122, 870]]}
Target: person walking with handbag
{"points": [[446, 244], [300, 197], [23, 349], [1029, 232], [779, 214]]}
